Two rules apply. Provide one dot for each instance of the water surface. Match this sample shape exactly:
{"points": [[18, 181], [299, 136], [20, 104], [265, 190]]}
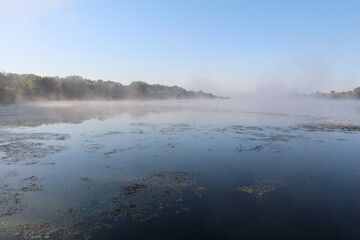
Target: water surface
{"points": [[279, 169]]}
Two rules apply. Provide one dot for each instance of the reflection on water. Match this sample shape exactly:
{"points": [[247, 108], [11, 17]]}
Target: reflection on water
{"points": [[205, 169]]}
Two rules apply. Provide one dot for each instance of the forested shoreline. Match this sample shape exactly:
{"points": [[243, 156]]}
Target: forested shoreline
{"points": [[30, 87], [355, 94]]}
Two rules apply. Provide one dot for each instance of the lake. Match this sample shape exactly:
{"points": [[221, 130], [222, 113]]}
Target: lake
{"points": [[215, 169]]}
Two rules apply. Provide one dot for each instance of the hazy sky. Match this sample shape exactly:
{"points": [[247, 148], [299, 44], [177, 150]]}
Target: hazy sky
{"points": [[217, 46]]}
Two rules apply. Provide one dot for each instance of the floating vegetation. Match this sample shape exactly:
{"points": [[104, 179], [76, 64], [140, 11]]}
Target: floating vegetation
{"points": [[178, 127], [331, 127], [168, 178], [297, 180], [110, 152], [241, 129], [109, 133], [255, 149], [169, 146], [85, 179], [257, 138], [199, 191], [11, 197], [260, 187], [36, 230], [141, 199], [10, 203], [32, 184], [143, 124], [341, 139], [248, 189], [133, 147], [132, 189], [137, 131], [26, 146], [91, 147]]}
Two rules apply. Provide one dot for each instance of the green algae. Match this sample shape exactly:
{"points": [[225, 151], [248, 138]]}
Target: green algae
{"points": [[247, 189], [260, 188], [199, 191]]}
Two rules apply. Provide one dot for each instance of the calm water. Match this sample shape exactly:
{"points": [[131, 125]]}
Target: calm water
{"points": [[279, 169]]}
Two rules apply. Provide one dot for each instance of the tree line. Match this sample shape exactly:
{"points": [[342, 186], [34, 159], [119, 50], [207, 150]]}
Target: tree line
{"points": [[355, 94], [28, 87]]}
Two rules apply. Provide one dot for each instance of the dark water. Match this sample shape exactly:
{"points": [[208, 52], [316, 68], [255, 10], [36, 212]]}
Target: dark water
{"points": [[284, 169]]}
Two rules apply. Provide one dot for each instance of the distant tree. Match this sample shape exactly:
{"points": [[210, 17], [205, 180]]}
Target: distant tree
{"points": [[356, 93], [29, 87], [2, 93], [30, 84]]}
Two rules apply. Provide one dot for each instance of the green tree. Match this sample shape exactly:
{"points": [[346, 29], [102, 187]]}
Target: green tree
{"points": [[357, 93]]}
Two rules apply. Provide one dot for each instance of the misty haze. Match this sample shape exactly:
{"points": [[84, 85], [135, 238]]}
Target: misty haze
{"points": [[179, 120]]}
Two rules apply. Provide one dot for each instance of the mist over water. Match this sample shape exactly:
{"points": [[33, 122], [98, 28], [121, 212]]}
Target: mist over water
{"points": [[47, 112]]}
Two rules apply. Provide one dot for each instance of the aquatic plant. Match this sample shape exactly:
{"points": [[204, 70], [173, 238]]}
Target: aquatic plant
{"points": [[260, 187]]}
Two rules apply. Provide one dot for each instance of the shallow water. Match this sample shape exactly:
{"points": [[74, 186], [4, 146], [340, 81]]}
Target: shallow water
{"points": [[279, 169]]}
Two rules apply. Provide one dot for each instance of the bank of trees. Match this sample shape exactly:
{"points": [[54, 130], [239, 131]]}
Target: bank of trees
{"points": [[355, 94], [24, 87]]}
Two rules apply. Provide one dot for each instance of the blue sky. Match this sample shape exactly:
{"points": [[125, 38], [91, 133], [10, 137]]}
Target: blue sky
{"points": [[217, 46]]}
